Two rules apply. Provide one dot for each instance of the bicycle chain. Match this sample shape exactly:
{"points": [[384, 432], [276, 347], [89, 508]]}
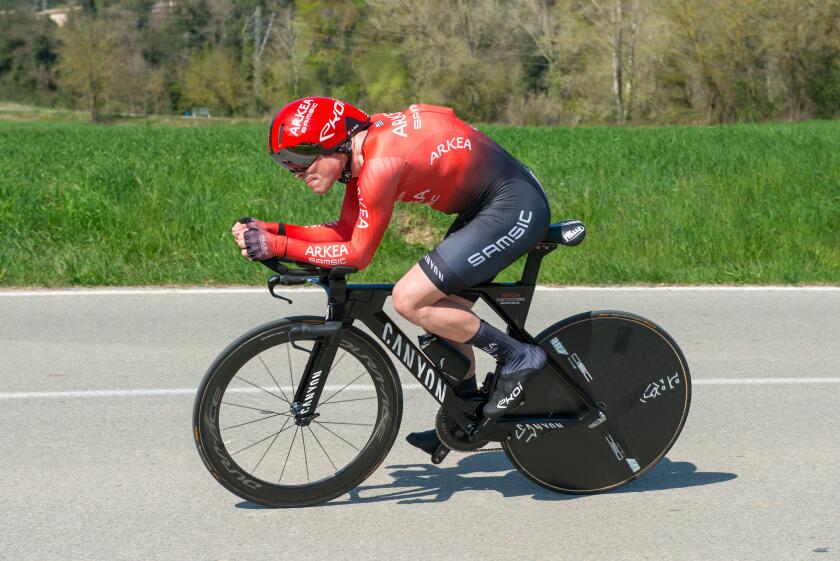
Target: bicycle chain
{"points": [[441, 426], [483, 450]]}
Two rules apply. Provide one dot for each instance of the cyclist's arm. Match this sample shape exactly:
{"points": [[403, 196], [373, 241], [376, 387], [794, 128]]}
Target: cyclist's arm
{"points": [[377, 189]]}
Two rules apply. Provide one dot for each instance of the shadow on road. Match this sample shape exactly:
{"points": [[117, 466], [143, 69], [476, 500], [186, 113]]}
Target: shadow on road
{"points": [[491, 471]]}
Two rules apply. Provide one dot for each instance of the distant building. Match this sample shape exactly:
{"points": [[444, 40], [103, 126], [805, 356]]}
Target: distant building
{"points": [[198, 112], [57, 15], [158, 14]]}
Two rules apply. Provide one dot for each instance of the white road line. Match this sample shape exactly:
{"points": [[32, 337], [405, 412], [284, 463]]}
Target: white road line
{"points": [[144, 291], [711, 288], [173, 391], [65, 292], [762, 381], [368, 387]]}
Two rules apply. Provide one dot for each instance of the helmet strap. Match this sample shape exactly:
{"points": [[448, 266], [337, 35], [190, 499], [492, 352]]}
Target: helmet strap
{"points": [[347, 174]]}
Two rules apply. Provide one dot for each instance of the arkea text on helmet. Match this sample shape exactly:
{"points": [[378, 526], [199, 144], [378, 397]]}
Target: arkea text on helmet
{"points": [[302, 116]]}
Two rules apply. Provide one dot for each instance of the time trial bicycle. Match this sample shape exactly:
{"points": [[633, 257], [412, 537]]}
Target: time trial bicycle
{"points": [[300, 410]]}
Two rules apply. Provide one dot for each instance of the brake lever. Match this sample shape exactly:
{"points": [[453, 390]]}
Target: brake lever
{"points": [[273, 281]]}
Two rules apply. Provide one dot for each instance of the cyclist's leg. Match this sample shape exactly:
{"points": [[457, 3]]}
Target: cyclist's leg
{"points": [[415, 299], [428, 440], [513, 222], [465, 348], [509, 226], [418, 300], [422, 303], [467, 304], [412, 292]]}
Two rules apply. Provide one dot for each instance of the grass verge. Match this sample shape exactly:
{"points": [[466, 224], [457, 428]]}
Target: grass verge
{"points": [[148, 203]]}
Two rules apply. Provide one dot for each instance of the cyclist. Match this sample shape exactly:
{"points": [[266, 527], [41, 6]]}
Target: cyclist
{"points": [[425, 155]]}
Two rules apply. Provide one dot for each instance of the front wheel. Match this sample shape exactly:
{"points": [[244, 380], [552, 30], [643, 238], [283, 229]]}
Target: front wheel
{"points": [[246, 432], [629, 366]]}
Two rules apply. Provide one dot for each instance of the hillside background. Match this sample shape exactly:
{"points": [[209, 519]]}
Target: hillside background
{"points": [[522, 62]]}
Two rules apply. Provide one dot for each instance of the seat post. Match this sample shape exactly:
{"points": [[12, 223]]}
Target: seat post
{"points": [[532, 264]]}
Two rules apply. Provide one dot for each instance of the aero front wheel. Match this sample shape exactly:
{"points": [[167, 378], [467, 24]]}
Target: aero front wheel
{"points": [[631, 368], [246, 432]]}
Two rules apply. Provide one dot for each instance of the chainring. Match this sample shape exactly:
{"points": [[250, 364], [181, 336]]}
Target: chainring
{"points": [[452, 436]]}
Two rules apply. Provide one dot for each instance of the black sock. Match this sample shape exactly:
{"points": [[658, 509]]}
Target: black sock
{"points": [[511, 354]]}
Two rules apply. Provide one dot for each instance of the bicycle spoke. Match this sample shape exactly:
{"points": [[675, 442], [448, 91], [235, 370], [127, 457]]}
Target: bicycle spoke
{"points": [[305, 459], [289, 354], [342, 389], [261, 440], [322, 447], [336, 434], [287, 455], [276, 436], [272, 377], [261, 388], [336, 363], [348, 400], [261, 410], [257, 420], [352, 424]]}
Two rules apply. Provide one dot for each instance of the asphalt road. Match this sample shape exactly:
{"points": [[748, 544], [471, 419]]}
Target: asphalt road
{"points": [[97, 459]]}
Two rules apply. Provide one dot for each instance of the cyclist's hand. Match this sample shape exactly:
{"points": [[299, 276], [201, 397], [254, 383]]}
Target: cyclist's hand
{"points": [[238, 230], [246, 222], [259, 245], [239, 227]]}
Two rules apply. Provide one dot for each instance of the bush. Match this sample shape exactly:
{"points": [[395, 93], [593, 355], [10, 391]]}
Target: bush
{"points": [[824, 90], [535, 110]]}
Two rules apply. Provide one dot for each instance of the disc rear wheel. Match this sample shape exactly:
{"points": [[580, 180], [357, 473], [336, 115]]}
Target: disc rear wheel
{"points": [[631, 368]]}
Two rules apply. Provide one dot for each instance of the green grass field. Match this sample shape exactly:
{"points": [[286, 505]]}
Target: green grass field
{"points": [[148, 203]]}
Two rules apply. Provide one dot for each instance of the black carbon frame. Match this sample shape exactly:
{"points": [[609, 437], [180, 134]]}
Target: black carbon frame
{"points": [[365, 302]]}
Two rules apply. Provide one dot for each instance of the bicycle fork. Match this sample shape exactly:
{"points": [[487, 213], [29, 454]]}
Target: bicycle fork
{"points": [[317, 370]]}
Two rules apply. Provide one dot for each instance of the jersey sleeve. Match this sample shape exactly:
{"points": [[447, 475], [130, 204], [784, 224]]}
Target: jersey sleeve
{"points": [[337, 231], [377, 188]]}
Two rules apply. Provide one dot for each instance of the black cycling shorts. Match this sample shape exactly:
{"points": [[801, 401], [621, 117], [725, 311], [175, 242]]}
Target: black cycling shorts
{"points": [[486, 239]]}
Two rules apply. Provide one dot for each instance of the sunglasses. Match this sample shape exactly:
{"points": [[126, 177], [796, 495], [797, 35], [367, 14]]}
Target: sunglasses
{"points": [[297, 158]]}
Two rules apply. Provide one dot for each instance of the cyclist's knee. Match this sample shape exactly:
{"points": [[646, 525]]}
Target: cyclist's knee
{"points": [[410, 297], [404, 302]]}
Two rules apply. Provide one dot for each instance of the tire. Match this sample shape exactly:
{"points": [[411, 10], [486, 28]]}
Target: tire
{"points": [[245, 394], [636, 371]]}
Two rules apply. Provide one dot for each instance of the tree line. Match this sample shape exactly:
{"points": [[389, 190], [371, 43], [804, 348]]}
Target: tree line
{"points": [[536, 62]]}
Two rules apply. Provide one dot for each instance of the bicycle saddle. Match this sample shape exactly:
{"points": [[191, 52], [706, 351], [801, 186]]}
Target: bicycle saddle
{"points": [[567, 232]]}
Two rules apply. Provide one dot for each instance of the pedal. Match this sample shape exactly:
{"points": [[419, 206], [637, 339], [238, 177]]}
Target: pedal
{"points": [[440, 454]]}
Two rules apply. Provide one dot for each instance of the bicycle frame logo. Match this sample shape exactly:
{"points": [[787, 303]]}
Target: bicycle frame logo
{"points": [[407, 353], [530, 430], [310, 392]]}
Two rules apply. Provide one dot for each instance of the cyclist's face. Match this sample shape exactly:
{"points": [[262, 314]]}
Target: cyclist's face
{"points": [[323, 172]]}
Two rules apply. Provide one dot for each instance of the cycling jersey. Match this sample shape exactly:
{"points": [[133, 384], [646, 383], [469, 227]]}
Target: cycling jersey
{"points": [[423, 155]]}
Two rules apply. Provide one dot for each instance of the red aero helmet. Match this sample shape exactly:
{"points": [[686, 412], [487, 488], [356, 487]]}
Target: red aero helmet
{"points": [[311, 126]]}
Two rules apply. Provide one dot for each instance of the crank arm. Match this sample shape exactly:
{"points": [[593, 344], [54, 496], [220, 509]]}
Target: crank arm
{"points": [[501, 428]]}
